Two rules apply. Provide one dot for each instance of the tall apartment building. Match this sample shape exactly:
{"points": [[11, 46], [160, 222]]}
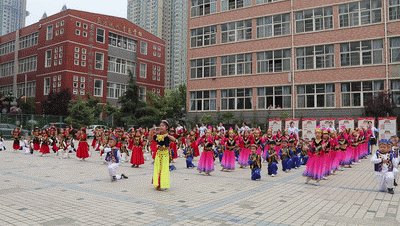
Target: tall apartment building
{"points": [[311, 58], [167, 19], [84, 52], [12, 15]]}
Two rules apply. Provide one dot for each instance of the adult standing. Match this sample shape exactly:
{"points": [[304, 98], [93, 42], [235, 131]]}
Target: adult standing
{"points": [[372, 141], [293, 129]]}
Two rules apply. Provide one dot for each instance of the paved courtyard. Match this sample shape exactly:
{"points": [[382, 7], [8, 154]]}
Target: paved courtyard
{"points": [[48, 191]]}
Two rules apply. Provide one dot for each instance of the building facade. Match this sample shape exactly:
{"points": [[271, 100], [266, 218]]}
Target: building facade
{"points": [[307, 58], [83, 52], [167, 19], [12, 15]]}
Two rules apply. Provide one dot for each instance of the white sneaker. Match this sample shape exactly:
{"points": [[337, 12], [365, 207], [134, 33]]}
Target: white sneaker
{"points": [[324, 178], [273, 175]]}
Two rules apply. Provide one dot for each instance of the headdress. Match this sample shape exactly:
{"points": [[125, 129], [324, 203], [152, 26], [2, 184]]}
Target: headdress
{"points": [[318, 129], [231, 131], [385, 141], [209, 129]]}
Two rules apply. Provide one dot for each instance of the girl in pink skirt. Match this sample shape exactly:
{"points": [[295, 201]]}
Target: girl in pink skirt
{"points": [[314, 167], [206, 162], [228, 159], [247, 140], [267, 139]]}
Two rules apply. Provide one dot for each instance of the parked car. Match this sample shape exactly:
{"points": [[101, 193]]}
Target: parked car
{"points": [[59, 125], [6, 130], [91, 129]]}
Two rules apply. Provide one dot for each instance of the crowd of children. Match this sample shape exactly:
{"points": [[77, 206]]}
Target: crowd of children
{"points": [[323, 155]]}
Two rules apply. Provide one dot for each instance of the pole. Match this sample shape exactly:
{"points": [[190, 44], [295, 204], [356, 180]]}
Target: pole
{"points": [[26, 82], [293, 58], [386, 45]]}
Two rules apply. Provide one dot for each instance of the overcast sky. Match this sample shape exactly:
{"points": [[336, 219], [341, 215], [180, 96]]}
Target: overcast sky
{"points": [[36, 8]]}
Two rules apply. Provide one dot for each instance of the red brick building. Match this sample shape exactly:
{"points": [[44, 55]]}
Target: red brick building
{"points": [[310, 58], [82, 51]]}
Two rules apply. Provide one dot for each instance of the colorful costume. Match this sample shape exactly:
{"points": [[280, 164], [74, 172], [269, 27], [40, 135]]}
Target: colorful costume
{"points": [[161, 175], [206, 162], [137, 151], [255, 166], [83, 147]]}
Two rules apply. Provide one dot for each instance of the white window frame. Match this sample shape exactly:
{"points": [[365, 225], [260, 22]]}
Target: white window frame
{"points": [[198, 67], [99, 62], [227, 5], [395, 88], [143, 71], [317, 19], [46, 86], [49, 32], [241, 64], [228, 95], [258, 2], [77, 32], [353, 54], [315, 57], [274, 25], [316, 91], [142, 93], [100, 36], [203, 36], [354, 13], [394, 50], [48, 58], [394, 10], [361, 93], [274, 61], [206, 100], [98, 91], [143, 47], [236, 31], [274, 93], [201, 8]]}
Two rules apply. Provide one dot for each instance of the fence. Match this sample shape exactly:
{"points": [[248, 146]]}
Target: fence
{"points": [[29, 122]]}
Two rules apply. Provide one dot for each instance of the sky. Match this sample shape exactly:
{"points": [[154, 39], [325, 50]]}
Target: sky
{"points": [[36, 8]]}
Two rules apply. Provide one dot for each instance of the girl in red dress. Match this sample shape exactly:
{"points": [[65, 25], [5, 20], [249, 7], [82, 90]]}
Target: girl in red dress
{"points": [[83, 147], [16, 134], [44, 148], [173, 145], [137, 150]]}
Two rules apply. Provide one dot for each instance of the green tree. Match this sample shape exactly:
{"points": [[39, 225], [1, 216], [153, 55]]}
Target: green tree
{"points": [[57, 103], [284, 115], [207, 119], [228, 117], [80, 113], [254, 120], [219, 117], [241, 118], [29, 107]]}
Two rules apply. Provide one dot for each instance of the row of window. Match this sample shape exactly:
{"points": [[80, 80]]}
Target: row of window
{"points": [[351, 14], [28, 64], [7, 48], [314, 57], [7, 69], [118, 41], [353, 94], [121, 66], [29, 90], [28, 41]]}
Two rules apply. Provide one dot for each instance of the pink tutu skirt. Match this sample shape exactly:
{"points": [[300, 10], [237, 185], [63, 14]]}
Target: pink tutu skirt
{"points": [[206, 162], [315, 167], [228, 160], [244, 157]]}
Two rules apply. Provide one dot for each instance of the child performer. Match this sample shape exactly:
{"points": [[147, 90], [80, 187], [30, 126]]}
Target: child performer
{"points": [[294, 153], [314, 168], [272, 159], [44, 147], [83, 147], [36, 139], [2, 148], [161, 178], [137, 150], [228, 159], [206, 162], [245, 152], [173, 145], [305, 146], [255, 163], [189, 158], [385, 166], [285, 156], [113, 156], [17, 135], [26, 145]]}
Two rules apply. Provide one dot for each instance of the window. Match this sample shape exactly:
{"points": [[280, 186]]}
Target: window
{"points": [[62, 23], [75, 92], [274, 97], [57, 24], [395, 87], [82, 92], [122, 42], [98, 88], [357, 94], [7, 48], [159, 48], [143, 48], [48, 58], [395, 50], [76, 62], [240, 64], [77, 32], [76, 78], [315, 57], [28, 41], [60, 48], [100, 35], [316, 96], [142, 93], [59, 62], [159, 55], [276, 25], [314, 19], [76, 56], [7, 69], [236, 99], [201, 7], [83, 63], [84, 34], [76, 49], [115, 90], [121, 66], [266, 1], [394, 9], [49, 33], [236, 31], [85, 26], [75, 85], [61, 31], [143, 70], [78, 24], [203, 100], [154, 54], [99, 61], [361, 52], [203, 36], [47, 84], [55, 62], [234, 4], [273, 61], [360, 13], [83, 57], [83, 51], [203, 68], [57, 33], [83, 79], [30, 89], [82, 85]]}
